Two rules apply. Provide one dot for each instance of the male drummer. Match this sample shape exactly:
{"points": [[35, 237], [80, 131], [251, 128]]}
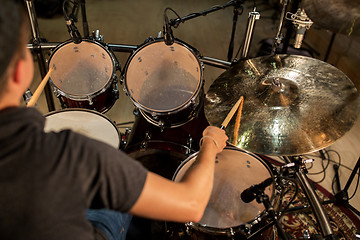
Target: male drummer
{"points": [[48, 180]]}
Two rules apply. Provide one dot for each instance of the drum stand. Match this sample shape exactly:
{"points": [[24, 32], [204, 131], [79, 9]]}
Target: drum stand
{"points": [[318, 210]]}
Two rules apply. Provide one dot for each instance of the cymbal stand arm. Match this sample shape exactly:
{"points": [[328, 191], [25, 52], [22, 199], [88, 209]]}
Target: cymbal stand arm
{"points": [[215, 62], [278, 38], [253, 16], [313, 199], [38, 51]]}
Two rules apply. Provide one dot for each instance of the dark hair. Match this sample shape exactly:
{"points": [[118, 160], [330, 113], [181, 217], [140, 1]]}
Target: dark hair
{"points": [[14, 29]]}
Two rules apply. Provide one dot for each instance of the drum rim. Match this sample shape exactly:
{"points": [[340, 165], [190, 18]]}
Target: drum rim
{"points": [[94, 93], [178, 108], [208, 229], [87, 110], [136, 147]]}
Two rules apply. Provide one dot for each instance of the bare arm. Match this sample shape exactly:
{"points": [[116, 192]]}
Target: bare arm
{"points": [[186, 200]]}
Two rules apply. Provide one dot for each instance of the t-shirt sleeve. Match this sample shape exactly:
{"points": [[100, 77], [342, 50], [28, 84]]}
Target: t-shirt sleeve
{"points": [[107, 177]]}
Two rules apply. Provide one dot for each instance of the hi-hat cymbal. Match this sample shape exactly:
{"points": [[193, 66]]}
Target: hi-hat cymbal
{"points": [[339, 16], [292, 104]]}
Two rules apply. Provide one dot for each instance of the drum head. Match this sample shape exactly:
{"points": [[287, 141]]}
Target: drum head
{"points": [[89, 123], [81, 69], [235, 171], [162, 78]]}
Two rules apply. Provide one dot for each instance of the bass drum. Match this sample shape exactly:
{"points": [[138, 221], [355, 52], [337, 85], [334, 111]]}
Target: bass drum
{"points": [[165, 83], [84, 76], [226, 215], [87, 122]]}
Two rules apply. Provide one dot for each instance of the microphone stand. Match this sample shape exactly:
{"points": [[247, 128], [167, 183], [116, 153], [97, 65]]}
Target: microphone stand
{"points": [[264, 199], [278, 37], [237, 11], [342, 197], [84, 19]]}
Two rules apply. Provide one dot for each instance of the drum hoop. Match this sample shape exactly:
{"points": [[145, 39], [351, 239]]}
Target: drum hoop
{"points": [[227, 230], [86, 110], [178, 108], [159, 141], [90, 95], [157, 123]]}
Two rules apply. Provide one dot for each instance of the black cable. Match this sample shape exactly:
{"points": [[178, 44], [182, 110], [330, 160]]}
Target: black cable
{"points": [[357, 185], [67, 18], [168, 8], [322, 164], [342, 165], [175, 22], [293, 197], [323, 171]]}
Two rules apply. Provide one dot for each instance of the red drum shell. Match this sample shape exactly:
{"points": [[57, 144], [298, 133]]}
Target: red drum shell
{"points": [[165, 82], [84, 75]]}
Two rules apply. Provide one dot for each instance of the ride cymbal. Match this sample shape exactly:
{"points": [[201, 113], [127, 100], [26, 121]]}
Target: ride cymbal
{"points": [[292, 104]]}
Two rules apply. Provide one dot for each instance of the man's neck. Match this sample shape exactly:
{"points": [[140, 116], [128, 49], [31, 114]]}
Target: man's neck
{"points": [[4, 103]]}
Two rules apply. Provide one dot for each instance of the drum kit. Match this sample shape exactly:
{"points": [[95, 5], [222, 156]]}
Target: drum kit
{"points": [[292, 105]]}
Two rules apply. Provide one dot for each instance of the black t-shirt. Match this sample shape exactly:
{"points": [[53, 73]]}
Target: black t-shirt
{"points": [[48, 180]]}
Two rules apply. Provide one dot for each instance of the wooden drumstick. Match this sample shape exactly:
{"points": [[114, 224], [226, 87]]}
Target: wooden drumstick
{"points": [[39, 89], [237, 121], [231, 114]]}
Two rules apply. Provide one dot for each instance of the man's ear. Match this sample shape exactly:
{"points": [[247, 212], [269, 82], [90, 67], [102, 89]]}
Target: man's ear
{"points": [[18, 72]]}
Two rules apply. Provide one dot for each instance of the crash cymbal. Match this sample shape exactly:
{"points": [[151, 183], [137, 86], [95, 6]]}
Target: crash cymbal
{"points": [[339, 16], [292, 104]]}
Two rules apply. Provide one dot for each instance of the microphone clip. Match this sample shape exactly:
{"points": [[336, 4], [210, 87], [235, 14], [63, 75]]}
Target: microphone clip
{"points": [[301, 22]]}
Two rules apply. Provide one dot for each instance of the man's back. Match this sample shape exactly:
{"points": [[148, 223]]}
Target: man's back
{"points": [[47, 181]]}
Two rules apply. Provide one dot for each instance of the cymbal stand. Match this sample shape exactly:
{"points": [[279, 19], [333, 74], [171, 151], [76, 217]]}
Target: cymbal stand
{"points": [[342, 196], [253, 16], [278, 37], [318, 210], [36, 43]]}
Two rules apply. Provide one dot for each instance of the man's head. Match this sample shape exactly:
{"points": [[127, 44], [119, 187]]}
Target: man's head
{"points": [[14, 31]]}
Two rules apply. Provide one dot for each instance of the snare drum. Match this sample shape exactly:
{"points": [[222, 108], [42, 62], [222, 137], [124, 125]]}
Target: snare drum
{"points": [[165, 83], [89, 123], [226, 215], [84, 75]]}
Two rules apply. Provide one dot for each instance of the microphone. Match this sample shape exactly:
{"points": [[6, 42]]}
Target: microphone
{"points": [[74, 32], [302, 23], [168, 34], [252, 192]]}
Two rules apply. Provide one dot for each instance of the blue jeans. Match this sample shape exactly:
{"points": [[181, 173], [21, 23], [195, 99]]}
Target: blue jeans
{"points": [[114, 224]]}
